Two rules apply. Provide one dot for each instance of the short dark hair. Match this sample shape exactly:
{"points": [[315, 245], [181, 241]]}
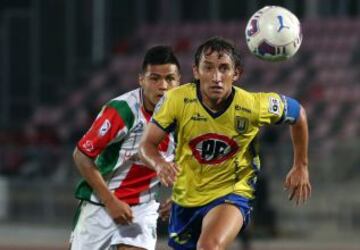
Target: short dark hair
{"points": [[219, 45], [159, 55]]}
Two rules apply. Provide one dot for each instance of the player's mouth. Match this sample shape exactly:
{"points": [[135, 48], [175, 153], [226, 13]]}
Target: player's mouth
{"points": [[216, 89]]}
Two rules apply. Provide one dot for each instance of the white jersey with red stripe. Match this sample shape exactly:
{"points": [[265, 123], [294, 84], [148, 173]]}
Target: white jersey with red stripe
{"points": [[113, 141]]}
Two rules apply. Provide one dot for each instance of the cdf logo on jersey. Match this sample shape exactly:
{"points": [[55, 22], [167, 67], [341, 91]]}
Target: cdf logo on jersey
{"points": [[104, 127], [213, 148], [274, 106]]}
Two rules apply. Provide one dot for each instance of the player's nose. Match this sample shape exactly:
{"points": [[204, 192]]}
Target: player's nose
{"points": [[216, 76], [163, 84]]}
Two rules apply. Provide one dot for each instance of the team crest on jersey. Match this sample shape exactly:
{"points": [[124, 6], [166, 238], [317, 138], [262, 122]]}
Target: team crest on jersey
{"points": [[213, 148], [104, 127], [88, 146], [241, 124]]}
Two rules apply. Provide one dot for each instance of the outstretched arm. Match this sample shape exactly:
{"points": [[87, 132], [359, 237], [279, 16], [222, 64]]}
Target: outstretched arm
{"points": [[297, 180], [150, 155]]}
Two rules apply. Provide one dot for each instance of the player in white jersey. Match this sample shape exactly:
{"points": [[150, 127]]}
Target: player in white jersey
{"points": [[118, 208]]}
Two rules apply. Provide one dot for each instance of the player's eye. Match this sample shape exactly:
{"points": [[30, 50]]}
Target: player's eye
{"points": [[207, 67], [154, 78], [170, 78], [224, 68]]}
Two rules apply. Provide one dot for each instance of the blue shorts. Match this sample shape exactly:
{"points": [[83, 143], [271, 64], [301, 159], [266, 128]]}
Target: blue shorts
{"points": [[185, 222]]}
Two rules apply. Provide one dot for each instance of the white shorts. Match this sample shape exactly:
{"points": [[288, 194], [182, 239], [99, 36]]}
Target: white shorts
{"points": [[95, 228]]}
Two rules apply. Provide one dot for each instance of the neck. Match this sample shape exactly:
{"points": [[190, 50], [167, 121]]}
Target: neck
{"points": [[148, 106], [215, 104]]}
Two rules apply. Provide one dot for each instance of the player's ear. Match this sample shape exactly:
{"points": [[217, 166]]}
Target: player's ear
{"points": [[195, 72], [238, 73], [178, 75], [141, 79], [179, 78]]}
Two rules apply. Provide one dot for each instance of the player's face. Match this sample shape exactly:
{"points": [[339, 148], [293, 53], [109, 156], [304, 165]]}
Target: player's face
{"points": [[156, 80], [216, 72]]}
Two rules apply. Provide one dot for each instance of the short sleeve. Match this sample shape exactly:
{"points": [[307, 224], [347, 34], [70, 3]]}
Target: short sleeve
{"points": [[271, 108], [277, 109], [107, 126], [165, 114]]}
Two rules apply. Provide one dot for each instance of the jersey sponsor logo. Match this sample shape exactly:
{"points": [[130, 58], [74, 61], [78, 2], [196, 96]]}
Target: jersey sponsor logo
{"points": [[105, 127], [241, 124], [213, 148], [88, 146], [198, 117], [189, 100], [239, 108], [274, 105]]}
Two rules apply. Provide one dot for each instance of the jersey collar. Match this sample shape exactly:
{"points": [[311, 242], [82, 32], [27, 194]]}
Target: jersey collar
{"points": [[218, 113]]}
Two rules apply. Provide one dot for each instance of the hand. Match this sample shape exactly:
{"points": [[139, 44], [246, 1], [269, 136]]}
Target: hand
{"points": [[298, 183], [164, 209], [167, 172], [119, 211]]}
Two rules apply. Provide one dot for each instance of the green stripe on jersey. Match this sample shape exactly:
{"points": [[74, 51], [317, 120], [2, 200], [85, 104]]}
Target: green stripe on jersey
{"points": [[125, 112], [105, 162]]}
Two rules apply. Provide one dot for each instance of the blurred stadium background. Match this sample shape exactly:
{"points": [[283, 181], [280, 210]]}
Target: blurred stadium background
{"points": [[60, 60]]}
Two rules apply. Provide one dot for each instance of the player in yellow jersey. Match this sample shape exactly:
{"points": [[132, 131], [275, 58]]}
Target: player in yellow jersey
{"points": [[216, 163]]}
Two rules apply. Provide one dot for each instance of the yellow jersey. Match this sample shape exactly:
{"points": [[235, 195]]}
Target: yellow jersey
{"points": [[217, 153]]}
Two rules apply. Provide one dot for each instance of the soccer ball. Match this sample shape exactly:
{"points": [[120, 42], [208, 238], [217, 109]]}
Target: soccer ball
{"points": [[273, 33]]}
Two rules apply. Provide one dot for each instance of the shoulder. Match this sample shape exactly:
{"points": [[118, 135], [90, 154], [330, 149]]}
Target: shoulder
{"points": [[182, 94], [127, 106], [174, 100], [187, 89], [243, 92], [129, 101], [246, 97], [131, 98], [256, 96]]}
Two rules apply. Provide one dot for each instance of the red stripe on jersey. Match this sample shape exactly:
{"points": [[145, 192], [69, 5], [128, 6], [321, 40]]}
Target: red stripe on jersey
{"points": [[104, 129], [136, 181], [163, 147], [146, 114]]}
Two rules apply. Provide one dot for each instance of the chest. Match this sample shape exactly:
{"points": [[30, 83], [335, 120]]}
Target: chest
{"points": [[215, 139], [132, 139], [236, 121]]}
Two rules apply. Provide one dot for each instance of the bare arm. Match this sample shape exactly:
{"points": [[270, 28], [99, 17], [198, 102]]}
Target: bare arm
{"points": [[150, 155], [120, 211], [297, 180]]}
